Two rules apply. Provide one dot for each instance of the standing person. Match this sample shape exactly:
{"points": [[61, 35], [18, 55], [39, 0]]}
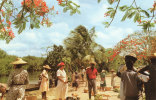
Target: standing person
{"points": [[44, 86], [130, 79], [150, 86], [17, 81], [120, 70], [2, 90], [62, 85], [76, 81], [112, 78], [103, 80], [91, 76], [83, 73]]}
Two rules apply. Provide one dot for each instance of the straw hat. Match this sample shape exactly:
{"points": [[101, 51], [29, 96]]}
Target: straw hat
{"points": [[131, 56], [19, 61], [112, 70], [93, 62], [46, 66], [103, 70]]}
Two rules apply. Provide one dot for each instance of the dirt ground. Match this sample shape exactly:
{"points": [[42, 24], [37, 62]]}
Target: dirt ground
{"points": [[80, 92]]}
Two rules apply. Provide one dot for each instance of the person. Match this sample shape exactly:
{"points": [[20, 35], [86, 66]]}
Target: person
{"points": [[122, 68], [103, 80], [2, 90], [130, 79], [17, 81], [150, 70], [83, 73], [91, 74], [44, 86], [62, 85], [112, 78], [76, 81]]}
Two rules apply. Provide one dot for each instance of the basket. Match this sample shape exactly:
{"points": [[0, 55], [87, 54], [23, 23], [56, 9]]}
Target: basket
{"points": [[31, 97], [85, 90], [108, 88]]}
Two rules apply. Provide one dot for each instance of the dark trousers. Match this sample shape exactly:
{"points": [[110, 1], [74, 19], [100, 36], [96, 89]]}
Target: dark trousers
{"points": [[131, 98], [44, 95], [91, 85]]}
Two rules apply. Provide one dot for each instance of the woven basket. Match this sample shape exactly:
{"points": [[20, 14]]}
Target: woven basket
{"points": [[31, 97], [108, 88], [85, 90]]}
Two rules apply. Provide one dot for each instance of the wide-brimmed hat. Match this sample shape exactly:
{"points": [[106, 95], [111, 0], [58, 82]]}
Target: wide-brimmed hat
{"points": [[61, 64], [46, 66], [103, 70], [93, 62], [19, 61], [131, 56], [112, 70]]}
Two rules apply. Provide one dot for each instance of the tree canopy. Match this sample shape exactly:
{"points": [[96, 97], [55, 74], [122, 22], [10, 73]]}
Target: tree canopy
{"points": [[32, 13]]}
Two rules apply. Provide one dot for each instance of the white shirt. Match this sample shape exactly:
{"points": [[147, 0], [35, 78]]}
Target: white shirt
{"points": [[62, 74]]}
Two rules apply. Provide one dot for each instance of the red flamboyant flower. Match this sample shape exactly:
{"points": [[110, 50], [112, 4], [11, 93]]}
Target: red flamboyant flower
{"points": [[59, 1]]}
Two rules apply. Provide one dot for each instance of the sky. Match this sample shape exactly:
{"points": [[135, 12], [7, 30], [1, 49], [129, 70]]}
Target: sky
{"points": [[35, 41]]}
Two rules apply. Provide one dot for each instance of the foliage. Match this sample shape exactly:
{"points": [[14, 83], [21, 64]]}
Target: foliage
{"points": [[145, 18], [79, 44], [34, 63], [140, 43], [55, 55], [98, 97], [32, 12]]}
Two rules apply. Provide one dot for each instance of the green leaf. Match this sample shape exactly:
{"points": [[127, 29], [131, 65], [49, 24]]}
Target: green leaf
{"points": [[112, 14], [125, 16], [146, 13], [99, 1], [131, 14], [123, 8], [65, 9], [78, 11], [137, 17], [110, 1]]}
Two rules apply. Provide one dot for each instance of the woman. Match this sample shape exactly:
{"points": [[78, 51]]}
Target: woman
{"points": [[103, 80], [44, 87], [17, 81], [62, 85], [112, 78]]}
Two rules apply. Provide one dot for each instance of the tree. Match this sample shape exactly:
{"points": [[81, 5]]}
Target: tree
{"points": [[145, 18], [34, 63], [55, 55], [79, 44], [140, 43], [32, 12]]}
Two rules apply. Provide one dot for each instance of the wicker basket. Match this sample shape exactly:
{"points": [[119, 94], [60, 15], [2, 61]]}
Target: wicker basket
{"points": [[31, 97], [108, 88], [85, 90]]}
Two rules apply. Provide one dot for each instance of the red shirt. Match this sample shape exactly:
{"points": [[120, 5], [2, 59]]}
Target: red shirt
{"points": [[91, 73]]}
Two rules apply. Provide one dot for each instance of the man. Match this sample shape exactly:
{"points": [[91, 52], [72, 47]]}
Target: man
{"points": [[150, 86], [83, 71], [91, 77], [130, 79]]}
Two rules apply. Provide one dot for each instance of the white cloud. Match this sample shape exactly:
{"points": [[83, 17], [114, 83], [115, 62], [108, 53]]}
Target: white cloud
{"points": [[112, 36], [98, 16], [30, 42]]}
